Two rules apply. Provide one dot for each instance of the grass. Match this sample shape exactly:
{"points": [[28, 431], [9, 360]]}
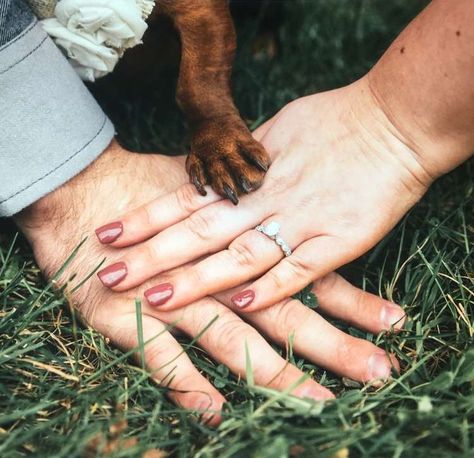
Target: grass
{"points": [[62, 384]]}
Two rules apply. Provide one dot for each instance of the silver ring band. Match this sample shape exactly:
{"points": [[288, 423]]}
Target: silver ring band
{"points": [[272, 231]]}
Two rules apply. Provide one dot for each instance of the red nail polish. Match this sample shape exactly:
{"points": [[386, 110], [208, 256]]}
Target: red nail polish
{"points": [[113, 274], [243, 299], [158, 295], [110, 232]]}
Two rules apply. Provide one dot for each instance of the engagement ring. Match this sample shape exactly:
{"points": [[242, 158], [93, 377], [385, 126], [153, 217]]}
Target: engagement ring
{"points": [[272, 231]]}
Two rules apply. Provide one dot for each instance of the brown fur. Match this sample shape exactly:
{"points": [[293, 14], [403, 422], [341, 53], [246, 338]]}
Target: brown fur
{"points": [[223, 153]]}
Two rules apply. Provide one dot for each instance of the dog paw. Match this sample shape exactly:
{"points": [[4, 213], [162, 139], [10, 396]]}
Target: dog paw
{"points": [[225, 156]]}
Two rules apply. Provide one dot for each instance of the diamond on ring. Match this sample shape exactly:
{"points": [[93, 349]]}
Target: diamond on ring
{"points": [[272, 231]]}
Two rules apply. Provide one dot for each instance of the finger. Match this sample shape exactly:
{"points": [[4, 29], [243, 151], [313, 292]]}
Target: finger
{"points": [[247, 257], [171, 367], [145, 221], [231, 341], [310, 261], [317, 340], [341, 300], [205, 231]]}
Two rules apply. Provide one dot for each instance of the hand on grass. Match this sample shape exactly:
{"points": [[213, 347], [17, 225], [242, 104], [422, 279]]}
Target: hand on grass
{"points": [[119, 181], [341, 178]]}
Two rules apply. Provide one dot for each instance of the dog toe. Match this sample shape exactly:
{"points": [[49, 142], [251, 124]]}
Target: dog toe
{"points": [[197, 175], [255, 154]]}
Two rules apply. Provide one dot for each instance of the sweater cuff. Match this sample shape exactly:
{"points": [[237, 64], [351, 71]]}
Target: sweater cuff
{"points": [[51, 126]]}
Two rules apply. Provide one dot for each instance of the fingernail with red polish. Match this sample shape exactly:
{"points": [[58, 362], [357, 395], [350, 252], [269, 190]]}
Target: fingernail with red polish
{"points": [[110, 232], [158, 295], [113, 274], [243, 299]]}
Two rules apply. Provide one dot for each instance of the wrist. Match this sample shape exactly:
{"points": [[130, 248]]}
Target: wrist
{"points": [[54, 209], [440, 135], [384, 138]]}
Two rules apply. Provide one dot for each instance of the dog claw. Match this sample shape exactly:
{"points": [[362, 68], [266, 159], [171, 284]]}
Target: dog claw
{"points": [[231, 194], [245, 185], [198, 185], [196, 181], [261, 165]]}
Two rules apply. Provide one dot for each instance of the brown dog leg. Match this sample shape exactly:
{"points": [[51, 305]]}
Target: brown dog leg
{"points": [[223, 153]]}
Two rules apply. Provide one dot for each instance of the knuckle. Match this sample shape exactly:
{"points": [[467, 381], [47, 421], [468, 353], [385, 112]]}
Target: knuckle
{"points": [[279, 379], [359, 309], [186, 198], [199, 225], [202, 314], [299, 266], [276, 281], [199, 275], [325, 284], [151, 253], [180, 381], [155, 354], [243, 253], [142, 258], [286, 320], [149, 215], [88, 307], [230, 335], [345, 353]]}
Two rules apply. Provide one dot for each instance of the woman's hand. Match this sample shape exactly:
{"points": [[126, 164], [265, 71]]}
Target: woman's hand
{"points": [[341, 178], [118, 181]]}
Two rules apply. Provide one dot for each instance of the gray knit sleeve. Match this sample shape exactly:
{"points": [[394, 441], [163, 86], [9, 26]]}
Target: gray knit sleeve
{"points": [[51, 128]]}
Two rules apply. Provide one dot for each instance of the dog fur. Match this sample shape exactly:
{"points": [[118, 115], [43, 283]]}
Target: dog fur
{"points": [[222, 153]]}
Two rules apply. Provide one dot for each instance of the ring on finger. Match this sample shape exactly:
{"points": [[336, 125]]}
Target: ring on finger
{"points": [[272, 231]]}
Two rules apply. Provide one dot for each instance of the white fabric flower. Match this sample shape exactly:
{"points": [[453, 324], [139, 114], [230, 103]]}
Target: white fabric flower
{"points": [[95, 33]]}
